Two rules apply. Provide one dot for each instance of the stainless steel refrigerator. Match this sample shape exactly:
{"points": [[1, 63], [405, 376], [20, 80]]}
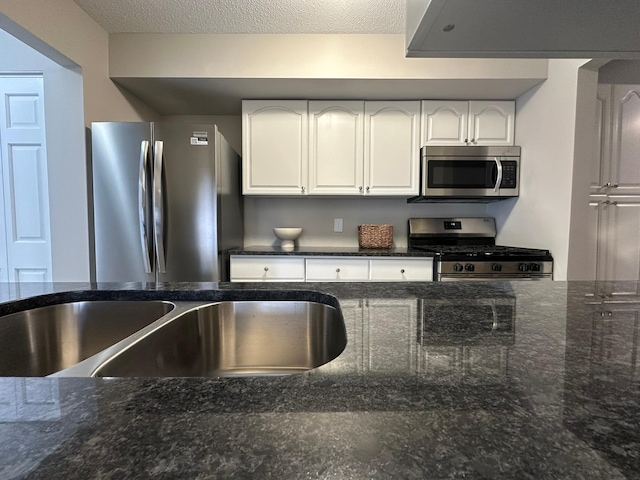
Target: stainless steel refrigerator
{"points": [[167, 203]]}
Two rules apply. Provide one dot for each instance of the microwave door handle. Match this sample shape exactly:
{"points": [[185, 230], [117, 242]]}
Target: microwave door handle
{"points": [[499, 177]]}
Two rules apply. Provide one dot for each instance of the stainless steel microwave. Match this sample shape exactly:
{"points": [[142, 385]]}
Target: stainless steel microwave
{"points": [[468, 173]]}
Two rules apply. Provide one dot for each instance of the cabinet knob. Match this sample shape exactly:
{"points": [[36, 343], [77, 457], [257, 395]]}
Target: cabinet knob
{"points": [[302, 190], [615, 185], [266, 269], [473, 140], [402, 270], [337, 270], [466, 140], [367, 189], [360, 188]]}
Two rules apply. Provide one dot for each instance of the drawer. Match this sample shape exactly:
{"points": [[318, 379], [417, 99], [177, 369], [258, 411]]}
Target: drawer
{"points": [[402, 269], [337, 269], [266, 268]]}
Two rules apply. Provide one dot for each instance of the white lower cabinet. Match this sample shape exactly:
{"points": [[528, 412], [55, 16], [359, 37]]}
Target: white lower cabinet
{"points": [[267, 268], [401, 270], [288, 268], [337, 269]]}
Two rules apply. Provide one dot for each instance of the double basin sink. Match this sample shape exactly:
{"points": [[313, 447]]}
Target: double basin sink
{"points": [[156, 338]]}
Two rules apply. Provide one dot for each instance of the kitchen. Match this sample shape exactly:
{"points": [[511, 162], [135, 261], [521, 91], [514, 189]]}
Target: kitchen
{"points": [[315, 433], [263, 57]]}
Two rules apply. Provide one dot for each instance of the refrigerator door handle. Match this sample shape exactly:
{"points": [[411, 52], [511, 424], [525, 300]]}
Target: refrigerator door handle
{"points": [[158, 205], [142, 205]]}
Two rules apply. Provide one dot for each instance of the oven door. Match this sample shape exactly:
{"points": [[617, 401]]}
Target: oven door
{"points": [[460, 176]]}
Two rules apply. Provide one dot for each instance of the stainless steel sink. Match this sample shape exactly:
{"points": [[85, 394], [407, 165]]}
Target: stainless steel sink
{"points": [[234, 338], [44, 340]]}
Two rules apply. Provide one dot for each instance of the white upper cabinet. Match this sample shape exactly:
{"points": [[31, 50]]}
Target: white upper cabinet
{"points": [[444, 122], [468, 123], [275, 147], [336, 158], [625, 173], [392, 147]]}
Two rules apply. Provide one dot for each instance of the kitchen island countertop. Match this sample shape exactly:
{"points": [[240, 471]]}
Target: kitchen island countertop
{"points": [[438, 380], [330, 251]]}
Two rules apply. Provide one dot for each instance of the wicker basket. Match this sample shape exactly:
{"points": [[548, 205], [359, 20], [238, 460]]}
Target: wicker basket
{"points": [[375, 236]]}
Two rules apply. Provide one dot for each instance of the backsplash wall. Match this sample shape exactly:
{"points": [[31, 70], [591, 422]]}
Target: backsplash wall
{"points": [[315, 215]]}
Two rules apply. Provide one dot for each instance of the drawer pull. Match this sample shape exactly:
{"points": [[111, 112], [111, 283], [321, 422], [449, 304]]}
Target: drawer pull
{"points": [[337, 270], [266, 269], [402, 270]]}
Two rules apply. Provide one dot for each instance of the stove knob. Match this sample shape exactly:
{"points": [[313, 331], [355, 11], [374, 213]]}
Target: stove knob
{"points": [[457, 267], [534, 267], [469, 267], [523, 267], [496, 267]]}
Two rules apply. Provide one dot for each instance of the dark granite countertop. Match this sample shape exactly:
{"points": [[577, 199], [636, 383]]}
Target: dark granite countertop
{"points": [[330, 251], [478, 380]]}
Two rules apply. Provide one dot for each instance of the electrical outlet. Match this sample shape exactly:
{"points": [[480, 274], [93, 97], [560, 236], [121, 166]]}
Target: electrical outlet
{"points": [[338, 223]]}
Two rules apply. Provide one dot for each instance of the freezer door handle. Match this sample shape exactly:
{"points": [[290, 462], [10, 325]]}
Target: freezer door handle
{"points": [[158, 205], [142, 205]]}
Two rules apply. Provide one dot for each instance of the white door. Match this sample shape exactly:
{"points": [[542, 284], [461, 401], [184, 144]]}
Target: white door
{"points": [[625, 173], [275, 148], [24, 230], [336, 141], [491, 123], [623, 232], [444, 122], [392, 148]]}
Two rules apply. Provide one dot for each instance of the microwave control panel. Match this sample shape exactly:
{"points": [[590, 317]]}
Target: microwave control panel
{"points": [[509, 174]]}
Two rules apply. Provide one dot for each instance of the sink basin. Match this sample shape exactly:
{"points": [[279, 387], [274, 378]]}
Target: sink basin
{"points": [[235, 338], [44, 340]]}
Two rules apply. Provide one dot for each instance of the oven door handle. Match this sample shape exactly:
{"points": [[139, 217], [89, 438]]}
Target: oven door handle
{"points": [[499, 177]]}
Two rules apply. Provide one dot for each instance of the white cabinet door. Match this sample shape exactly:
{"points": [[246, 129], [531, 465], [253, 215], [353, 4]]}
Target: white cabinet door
{"points": [[391, 148], [275, 147], [402, 269], [601, 159], [266, 268], [444, 122], [336, 157], [468, 123], [623, 232], [491, 123], [337, 269], [625, 163]]}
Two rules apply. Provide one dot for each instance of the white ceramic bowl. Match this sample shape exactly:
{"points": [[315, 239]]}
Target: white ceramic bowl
{"points": [[287, 235]]}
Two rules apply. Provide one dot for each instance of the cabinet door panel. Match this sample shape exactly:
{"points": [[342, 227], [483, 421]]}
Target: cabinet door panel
{"points": [[337, 269], [601, 161], [392, 148], [263, 268], [402, 270], [623, 232], [275, 146], [491, 123], [444, 122], [625, 170], [336, 136]]}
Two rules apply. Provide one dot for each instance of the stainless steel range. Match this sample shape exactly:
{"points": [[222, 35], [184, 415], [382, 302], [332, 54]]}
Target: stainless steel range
{"points": [[465, 249]]}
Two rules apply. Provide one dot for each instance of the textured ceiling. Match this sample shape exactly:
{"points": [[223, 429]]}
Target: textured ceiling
{"points": [[248, 16]]}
